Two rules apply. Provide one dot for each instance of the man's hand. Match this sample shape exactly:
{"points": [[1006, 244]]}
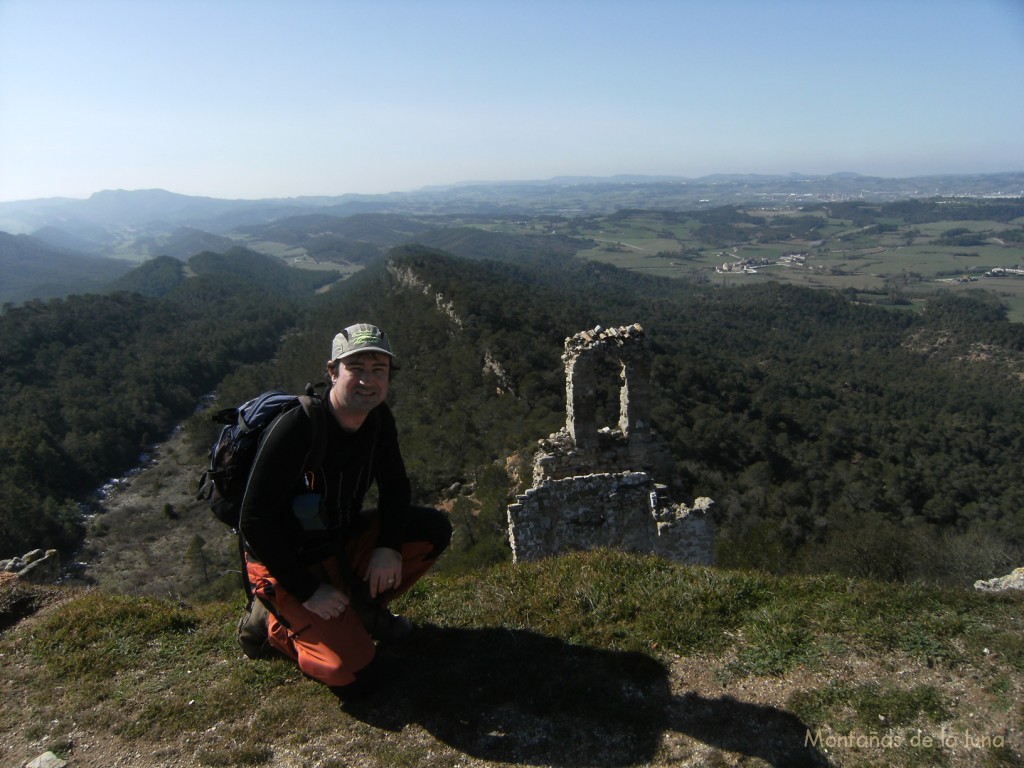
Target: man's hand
{"points": [[327, 602], [385, 571]]}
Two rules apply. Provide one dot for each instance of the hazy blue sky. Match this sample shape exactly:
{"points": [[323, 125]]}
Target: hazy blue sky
{"points": [[256, 98]]}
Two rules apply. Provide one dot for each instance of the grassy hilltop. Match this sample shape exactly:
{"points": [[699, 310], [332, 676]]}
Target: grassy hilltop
{"points": [[602, 659]]}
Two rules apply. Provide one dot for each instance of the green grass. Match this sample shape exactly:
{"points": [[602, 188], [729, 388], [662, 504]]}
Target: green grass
{"points": [[547, 660], [870, 705]]}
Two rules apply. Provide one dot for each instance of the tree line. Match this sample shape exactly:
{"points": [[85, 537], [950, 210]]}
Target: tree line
{"points": [[832, 436]]}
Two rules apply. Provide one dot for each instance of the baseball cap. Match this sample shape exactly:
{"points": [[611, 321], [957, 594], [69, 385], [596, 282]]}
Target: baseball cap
{"points": [[361, 337]]}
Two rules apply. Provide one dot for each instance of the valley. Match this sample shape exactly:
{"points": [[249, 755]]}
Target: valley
{"points": [[788, 336], [841, 380]]}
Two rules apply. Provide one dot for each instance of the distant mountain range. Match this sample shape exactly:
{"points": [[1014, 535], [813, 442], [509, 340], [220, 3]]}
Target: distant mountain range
{"points": [[158, 211], [46, 240]]}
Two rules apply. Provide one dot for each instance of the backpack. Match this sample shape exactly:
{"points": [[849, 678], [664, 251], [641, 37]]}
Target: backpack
{"points": [[224, 481], [232, 454]]}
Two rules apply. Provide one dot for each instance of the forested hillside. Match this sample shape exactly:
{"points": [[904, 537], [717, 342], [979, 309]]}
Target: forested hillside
{"points": [[34, 268], [832, 436], [89, 382]]}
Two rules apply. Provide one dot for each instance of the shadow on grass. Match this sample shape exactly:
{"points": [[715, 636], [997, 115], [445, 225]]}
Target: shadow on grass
{"points": [[519, 697]]}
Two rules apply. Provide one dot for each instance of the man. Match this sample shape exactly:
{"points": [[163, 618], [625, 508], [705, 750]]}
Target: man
{"points": [[326, 568]]}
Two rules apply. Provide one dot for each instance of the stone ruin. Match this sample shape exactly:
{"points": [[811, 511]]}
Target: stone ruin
{"points": [[602, 486]]}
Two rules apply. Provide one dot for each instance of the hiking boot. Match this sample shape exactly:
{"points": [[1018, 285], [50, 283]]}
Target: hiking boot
{"points": [[252, 631], [383, 626], [390, 626]]}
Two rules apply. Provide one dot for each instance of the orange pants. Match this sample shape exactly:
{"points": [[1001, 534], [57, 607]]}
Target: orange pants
{"points": [[332, 650]]}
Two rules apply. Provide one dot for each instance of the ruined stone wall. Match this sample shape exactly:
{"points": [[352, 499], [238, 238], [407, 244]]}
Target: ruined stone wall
{"points": [[583, 513], [621, 510], [607, 486]]}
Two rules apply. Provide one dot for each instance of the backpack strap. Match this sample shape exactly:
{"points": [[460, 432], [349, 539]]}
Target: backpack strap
{"points": [[316, 409]]}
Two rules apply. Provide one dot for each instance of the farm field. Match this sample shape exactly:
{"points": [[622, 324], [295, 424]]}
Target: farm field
{"points": [[885, 257]]}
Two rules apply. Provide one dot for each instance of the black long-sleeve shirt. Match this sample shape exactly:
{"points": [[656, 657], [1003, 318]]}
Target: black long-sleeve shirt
{"points": [[286, 542]]}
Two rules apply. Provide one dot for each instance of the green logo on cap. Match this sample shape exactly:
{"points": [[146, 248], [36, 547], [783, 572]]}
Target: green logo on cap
{"points": [[366, 336]]}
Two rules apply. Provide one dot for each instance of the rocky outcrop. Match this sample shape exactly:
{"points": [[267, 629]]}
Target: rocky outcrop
{"points": [[35, 567], [406, 278], [46, 760], [1014, 580]]}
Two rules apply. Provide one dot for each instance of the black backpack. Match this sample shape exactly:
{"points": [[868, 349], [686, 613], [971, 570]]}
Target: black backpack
{"points": [[224, 481], [231, 456]]}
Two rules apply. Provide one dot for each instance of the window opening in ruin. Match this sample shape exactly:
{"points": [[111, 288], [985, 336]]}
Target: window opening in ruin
{"points": [[608, 383]]}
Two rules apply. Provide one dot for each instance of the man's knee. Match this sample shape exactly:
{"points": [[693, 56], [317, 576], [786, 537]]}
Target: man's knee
{"points": [[434, 527]]}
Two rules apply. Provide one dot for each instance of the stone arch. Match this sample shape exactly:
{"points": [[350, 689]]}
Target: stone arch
{"points": [[626, 347]]}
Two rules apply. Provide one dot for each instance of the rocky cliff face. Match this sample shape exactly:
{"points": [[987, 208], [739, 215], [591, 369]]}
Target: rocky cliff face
{"points": [[406, 278]]}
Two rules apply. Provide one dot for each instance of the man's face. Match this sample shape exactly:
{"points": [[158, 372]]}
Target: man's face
{"points": [[361, 382]]}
